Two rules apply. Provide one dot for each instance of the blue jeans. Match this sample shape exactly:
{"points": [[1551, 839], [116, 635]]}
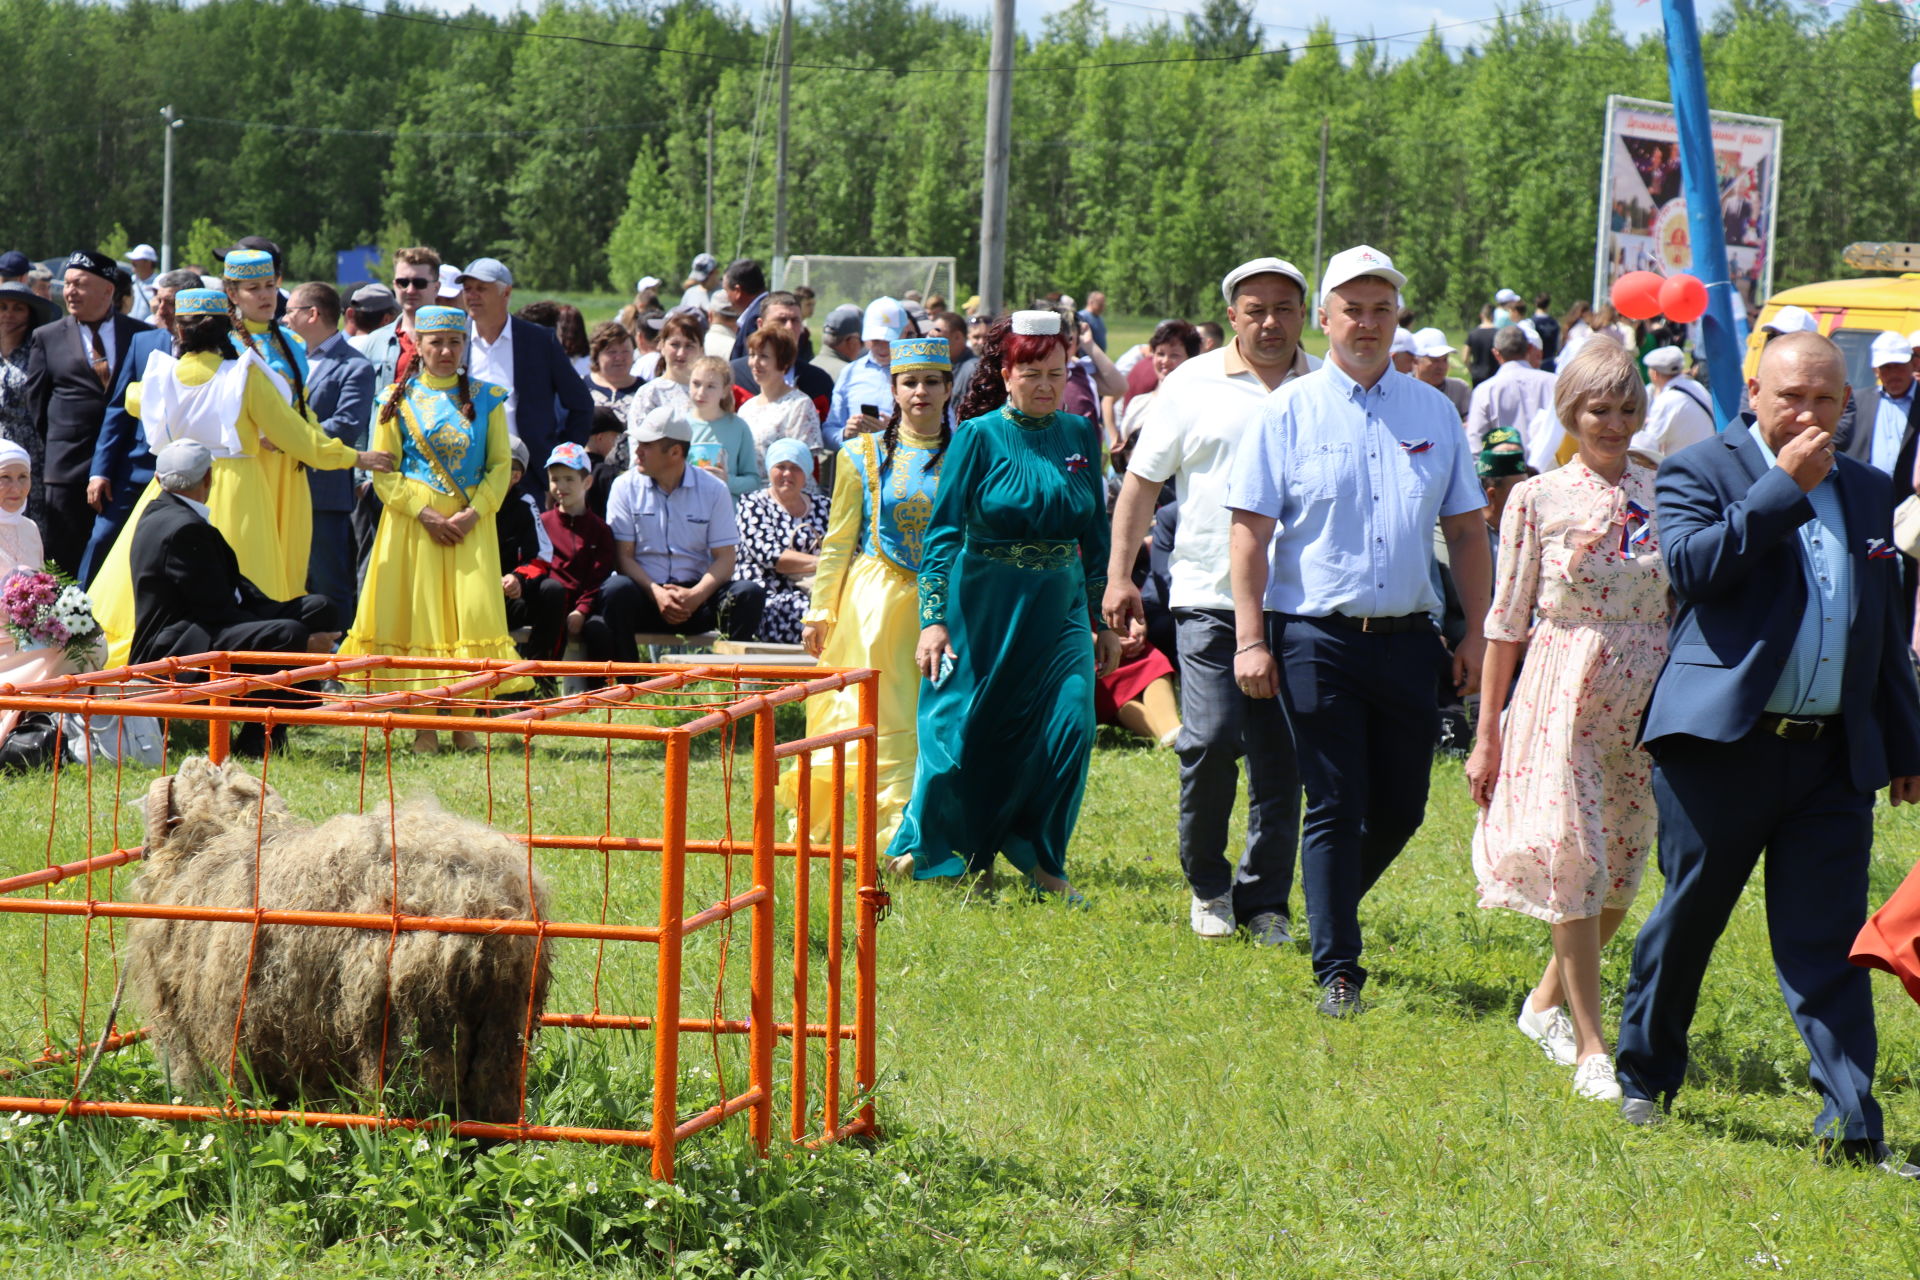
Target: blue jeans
{"points": [[1364, 718], [1218, 726]]}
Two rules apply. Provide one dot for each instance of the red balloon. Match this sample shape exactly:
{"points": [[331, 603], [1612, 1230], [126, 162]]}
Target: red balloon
{"points": [[1636, 295], [1683, 298]]}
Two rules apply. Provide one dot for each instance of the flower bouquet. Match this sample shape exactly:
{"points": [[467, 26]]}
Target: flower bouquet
{"points": [[48, 610]]}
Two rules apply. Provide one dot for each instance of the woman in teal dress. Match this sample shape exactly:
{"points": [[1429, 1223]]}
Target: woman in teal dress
{"points": [[1010, 586]]}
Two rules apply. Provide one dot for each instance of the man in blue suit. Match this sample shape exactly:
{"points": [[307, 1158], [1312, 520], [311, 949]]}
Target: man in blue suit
{"points": [[1788, 700], [340, 397], [527, 360], [122, 465]]}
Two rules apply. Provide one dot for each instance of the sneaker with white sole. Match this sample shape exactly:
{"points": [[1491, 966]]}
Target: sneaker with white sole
{"points": [[1551, 1030], [1270, 929], [1212, 917], [1594, 1078]]}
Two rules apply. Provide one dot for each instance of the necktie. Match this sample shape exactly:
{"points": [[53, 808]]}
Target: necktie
{"points": [[101, 369]]}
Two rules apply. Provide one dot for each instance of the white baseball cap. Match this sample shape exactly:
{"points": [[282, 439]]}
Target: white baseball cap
{"points": [[1890, 348], [1352, 264], [646, 283], [1533, 335], [450, 282], [1261, 267], [1506, 295], [885, 321], [1431, 342], [1666, 360], [1914, 339], [142, 253], [1402, 341], [1791, 320]]}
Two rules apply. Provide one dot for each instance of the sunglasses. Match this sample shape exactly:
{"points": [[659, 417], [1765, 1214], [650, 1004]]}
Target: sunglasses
{"points": [[415, 282]]}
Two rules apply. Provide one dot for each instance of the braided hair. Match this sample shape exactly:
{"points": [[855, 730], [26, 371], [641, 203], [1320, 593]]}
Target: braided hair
{"points": [[279, 338], [462, 393], [890, 433]]}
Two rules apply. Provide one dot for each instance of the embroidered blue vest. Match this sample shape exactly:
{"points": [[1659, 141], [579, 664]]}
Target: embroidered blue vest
{"points": [[462, 445], [898, 506]]}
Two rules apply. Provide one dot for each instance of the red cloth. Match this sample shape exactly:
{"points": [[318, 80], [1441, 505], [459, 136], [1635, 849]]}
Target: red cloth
{"points": [[1141, 378], [1890, 940], [408, 354], [1128, 681], [582, 556]]}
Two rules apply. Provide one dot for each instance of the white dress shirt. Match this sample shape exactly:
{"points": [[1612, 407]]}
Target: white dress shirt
{"points": [[493, 362]]}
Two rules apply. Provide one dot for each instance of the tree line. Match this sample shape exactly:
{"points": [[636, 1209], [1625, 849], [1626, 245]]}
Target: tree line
{"points": [[573, 142]]}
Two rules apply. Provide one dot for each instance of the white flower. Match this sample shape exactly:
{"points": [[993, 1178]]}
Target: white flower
{"points": [[206, 1142]]}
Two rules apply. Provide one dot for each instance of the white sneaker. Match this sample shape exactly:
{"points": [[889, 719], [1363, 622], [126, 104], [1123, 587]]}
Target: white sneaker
{"points": [[1551, 1030], [1594, 1078], [1212, 917]]}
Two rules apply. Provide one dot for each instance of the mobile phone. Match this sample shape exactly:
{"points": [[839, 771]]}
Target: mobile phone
{"points": [[946, 670], [871, 410]]}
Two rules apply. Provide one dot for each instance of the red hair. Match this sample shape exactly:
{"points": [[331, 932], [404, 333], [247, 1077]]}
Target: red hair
{"points": [[1002, 350]]}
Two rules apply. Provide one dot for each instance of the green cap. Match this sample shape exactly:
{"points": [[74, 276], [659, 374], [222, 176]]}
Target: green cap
{"points": [[1501, 454]]}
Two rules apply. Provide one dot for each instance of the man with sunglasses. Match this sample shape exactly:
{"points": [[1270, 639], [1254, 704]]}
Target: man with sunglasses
{"points": [[416, 283]]}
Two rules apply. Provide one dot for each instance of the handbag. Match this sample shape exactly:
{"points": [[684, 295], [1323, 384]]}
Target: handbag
{"points": [[34, 742], [1906, 525]]}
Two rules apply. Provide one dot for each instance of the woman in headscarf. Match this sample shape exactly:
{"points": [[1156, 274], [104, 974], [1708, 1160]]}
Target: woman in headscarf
{"points": [[781, 529], [21, 312]]}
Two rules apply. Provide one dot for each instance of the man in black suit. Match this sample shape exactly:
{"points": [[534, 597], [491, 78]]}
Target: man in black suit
{"points": [[72, 366], [340, 395], [188, 593], [547, 402]]}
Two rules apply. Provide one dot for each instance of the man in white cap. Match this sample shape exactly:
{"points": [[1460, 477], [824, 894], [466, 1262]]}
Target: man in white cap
{"points": [[1680, 412], [189, 595], [863, 394], [1515, 392], [1432, 363], [1507, 308], [526, 359], [1402, 351], [1892, 358], [145, 262], [1196, 419], [1536, 345], [1335, 493]]}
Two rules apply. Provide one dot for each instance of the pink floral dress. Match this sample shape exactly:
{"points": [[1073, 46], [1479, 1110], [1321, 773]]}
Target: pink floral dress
{"points": [[1572, 813]]}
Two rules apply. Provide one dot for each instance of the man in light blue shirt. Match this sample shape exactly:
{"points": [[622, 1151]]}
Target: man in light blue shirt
{"points": [[1893, 366], [1353, 464], [1817, 664], [867, 380]]}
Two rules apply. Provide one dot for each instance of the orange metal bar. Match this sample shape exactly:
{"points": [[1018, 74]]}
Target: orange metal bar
{"points": [[802, 889], [722, 910], [700, 1026], [68, 870], [219, 735], [328, 1120], [753, 1097], [673, 876], [332, 919], [652, 844], [54, 1057], [836, 920], [806, 746], [808, 681], [766, 777], [866, 875]]}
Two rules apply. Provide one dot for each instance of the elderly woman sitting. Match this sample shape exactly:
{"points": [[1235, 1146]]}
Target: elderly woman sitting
{"points": [[781, 529]]}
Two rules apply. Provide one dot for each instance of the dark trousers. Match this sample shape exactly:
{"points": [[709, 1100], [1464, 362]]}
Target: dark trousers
{"points": [[1218, 726], [1362, 711], [108, 524], [69, 525], [734, 610], [366, 526], [331, 561], [285, 628], [542, 607], [1721, 804]]}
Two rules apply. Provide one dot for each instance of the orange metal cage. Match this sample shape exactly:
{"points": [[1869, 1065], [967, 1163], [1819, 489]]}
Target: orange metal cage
{"points": [[381, 694]]}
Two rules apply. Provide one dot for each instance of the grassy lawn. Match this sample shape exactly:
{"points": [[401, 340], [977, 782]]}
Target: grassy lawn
{"points": [[1084, 1094]]}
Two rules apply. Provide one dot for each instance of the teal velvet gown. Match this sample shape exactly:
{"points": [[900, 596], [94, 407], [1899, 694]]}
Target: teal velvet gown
{"points": [[1014, 566]]}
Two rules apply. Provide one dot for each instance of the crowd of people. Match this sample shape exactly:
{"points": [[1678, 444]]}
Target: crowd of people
{"points": [[1305, 569]]}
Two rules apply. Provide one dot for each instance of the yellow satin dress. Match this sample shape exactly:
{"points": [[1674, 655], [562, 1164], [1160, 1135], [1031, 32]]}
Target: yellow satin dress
{"points": [[285, 475], [240, 505]]}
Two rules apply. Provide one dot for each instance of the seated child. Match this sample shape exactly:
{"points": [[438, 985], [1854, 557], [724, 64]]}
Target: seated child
{"points": [[722, 440]]}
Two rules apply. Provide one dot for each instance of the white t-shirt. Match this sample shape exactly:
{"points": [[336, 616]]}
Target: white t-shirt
{"points": [[1675, 419], [1197, 417]]}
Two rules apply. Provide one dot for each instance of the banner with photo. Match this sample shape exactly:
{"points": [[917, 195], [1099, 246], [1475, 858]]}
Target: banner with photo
{"points": [[1643, 208]]}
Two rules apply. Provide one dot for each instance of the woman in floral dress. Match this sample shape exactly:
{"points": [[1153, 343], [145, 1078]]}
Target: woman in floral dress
{"points": [[1565, 795], [781, 529]]}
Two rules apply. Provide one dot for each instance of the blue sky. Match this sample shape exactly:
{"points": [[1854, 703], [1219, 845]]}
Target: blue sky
{"points": [[1355, 17]]}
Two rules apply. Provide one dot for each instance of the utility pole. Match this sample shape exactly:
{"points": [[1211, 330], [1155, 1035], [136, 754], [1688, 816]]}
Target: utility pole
{"points": [[709, 241], [780, 149], [998, 148], [1700, 179], [166, 192], [1319, 223]]}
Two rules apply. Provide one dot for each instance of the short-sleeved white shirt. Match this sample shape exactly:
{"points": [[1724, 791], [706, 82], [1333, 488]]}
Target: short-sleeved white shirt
{"points": [[1198, 414]]}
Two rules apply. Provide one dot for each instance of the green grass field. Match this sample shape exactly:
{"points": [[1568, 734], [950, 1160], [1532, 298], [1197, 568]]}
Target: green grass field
{"points": [[1073, 1094]]}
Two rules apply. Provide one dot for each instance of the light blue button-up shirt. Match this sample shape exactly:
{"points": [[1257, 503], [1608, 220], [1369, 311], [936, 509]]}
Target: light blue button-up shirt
{"points": [[1889, 430], [1817, 665], [1356, 477], [865, 381]]}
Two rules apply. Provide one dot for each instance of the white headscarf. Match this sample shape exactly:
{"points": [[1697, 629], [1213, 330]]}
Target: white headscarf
{"points": [[11, 452]]}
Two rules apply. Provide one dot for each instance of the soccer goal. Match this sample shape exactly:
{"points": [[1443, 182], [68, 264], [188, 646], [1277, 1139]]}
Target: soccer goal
{"points": [[837, 280]]}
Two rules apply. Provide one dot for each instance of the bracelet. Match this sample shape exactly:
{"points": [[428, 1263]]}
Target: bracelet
{"points": [[1257, 644]]}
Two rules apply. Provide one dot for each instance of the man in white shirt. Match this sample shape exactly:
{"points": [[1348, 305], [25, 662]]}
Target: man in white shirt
{"points": [[1197, 418], [145, 263], [1893, 367], [547, 402], [1680, 412], [1514, 393]]}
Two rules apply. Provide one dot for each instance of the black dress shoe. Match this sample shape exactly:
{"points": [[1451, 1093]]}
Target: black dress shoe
{"points": [[1868, 1153], [1341, 998]]}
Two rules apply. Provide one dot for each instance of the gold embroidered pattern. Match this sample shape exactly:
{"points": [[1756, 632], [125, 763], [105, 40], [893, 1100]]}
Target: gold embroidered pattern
{"points": [[913, 515], [1036, 556], [933, 600]]}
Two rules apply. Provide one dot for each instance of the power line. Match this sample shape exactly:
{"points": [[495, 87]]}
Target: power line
{"points": [[625, 127]]}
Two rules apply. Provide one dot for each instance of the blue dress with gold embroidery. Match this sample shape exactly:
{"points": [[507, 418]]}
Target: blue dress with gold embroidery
{"points": [[1015, 565]]}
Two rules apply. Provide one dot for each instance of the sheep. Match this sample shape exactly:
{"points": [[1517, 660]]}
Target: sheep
{"points": [[318, 1009]]}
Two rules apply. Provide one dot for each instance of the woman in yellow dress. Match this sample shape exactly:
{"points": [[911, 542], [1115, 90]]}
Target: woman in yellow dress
{"points": [[252, 281], [230, 404], [865, 605], [433, 579]]}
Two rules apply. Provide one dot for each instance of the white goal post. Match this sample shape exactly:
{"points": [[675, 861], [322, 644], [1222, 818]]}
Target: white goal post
{"points": [[838, 280]]}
